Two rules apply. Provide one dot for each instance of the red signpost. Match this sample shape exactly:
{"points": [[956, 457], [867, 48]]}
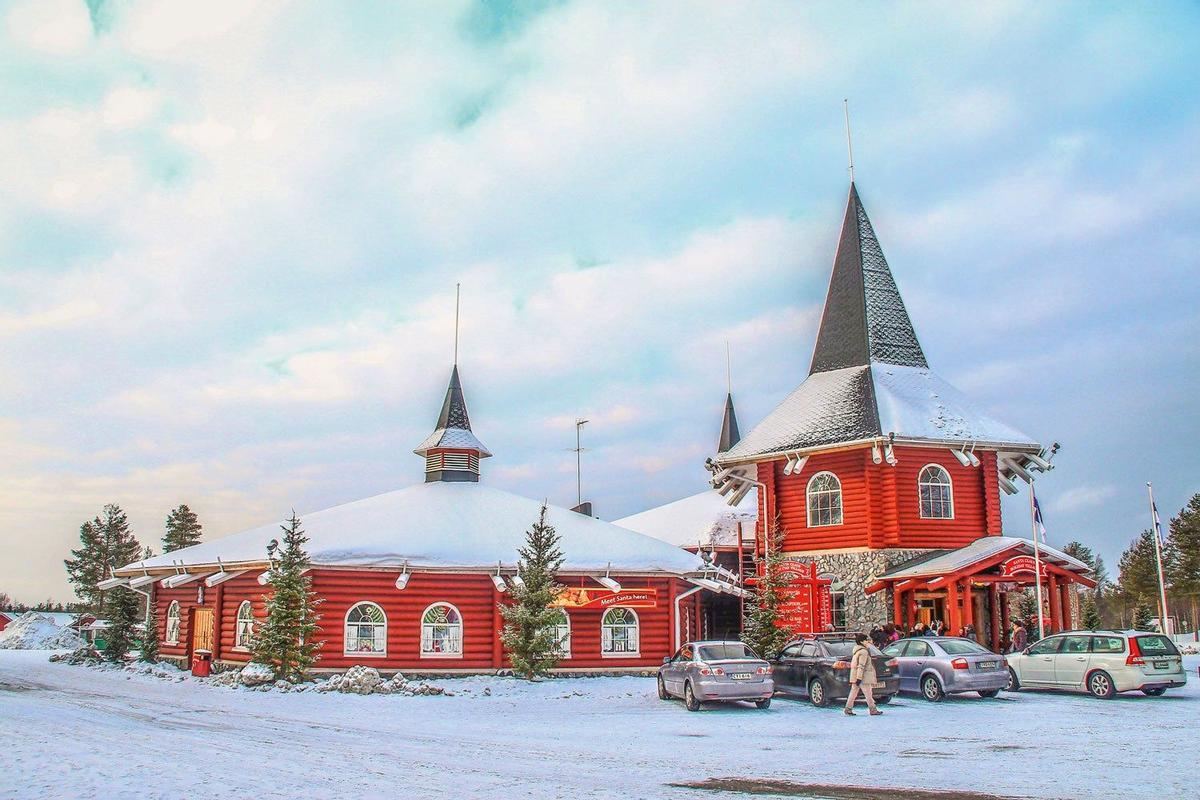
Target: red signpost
{"points": [[808, 608]]}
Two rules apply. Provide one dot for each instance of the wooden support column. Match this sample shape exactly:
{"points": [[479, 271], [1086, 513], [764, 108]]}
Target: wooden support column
{"points": [[994, 616], [1065, 589], [1004, 616], [897, 607], [953, 618], [497, 625], [1055, 610], [968, 617], [218, 611], [912, 608]]}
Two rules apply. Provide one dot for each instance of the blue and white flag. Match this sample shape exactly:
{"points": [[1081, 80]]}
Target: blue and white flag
{"points": [[1157, 523], [1037, 516]]}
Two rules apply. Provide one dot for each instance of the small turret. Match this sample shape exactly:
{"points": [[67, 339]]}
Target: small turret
{"points": [[452, 452]]}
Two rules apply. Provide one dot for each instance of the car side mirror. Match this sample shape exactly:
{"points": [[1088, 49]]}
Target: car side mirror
{"points": [[666, 659]]}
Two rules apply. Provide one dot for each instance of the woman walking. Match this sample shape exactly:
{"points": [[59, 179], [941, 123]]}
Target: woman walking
{"points": [[862, 676]]}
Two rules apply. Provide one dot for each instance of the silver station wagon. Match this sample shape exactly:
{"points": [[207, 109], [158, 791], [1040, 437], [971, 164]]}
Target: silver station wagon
{"points": [[1101, 663], [935, 666], [715, 671]]}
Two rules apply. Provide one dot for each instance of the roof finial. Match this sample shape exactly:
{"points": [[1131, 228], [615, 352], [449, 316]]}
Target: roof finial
{"points": [[457, 292], [849, 145]]}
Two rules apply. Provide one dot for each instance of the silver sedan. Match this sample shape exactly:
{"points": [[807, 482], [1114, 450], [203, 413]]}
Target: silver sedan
{"points": [[715, 671], [935, 666]]}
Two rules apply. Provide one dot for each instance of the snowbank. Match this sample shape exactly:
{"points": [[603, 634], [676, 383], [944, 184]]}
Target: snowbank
{"points": [[34, 631]]}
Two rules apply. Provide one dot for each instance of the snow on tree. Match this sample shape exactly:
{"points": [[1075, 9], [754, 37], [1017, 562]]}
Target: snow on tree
{"points": [[183, 529], [106, 543], [763, 628], [123, 621], [1143, 613], [286, 640], [150, 634], [1089, 612], [530, 619]]}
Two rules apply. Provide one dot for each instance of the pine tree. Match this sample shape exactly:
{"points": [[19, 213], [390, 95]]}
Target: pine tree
{"points": [[107, 543], [1089, 613], [1142, 615], [150, 633], [529, 620], [183, 530], [1139, 571], [1183, 556], [763, 628], [286, 641], [122, 623]]}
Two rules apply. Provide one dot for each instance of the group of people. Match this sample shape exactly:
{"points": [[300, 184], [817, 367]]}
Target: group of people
{"points": [[881, 637]]}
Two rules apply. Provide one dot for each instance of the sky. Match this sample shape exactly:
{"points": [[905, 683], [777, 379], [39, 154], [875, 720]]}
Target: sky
{"points": [[230, 234]]}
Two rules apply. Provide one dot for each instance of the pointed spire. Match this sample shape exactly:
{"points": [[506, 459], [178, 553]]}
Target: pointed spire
{"points": [[730, 435], [864, 318], [454, 407]]}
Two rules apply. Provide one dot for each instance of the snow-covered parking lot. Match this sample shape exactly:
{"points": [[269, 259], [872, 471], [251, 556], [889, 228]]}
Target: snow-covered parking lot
{"points": [[71, 731]]}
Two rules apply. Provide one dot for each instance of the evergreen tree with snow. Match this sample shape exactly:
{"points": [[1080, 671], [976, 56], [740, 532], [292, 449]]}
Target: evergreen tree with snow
{"points": [[150, 632], [763, 628], [286, 640], [183, 529], [530, 619], [123, 620], [106, 543], [1142, 615], [1089, 612], [1183, 557]]}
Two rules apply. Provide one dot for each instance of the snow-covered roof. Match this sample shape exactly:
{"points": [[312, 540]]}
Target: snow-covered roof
{"points": [[702, 519], [441, 525], [869, 376], [948, 561]]}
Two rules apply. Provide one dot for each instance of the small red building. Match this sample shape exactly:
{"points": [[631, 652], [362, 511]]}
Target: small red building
{"points": [[413, 579], [885, 477]]}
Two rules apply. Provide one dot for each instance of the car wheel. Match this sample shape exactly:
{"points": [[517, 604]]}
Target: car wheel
{"points": [[764, 703], [1100, 684], [662, 690], [1153, 692], [1013, 685], [990, 693], [884, 700], [689, 698], [816, 693], [931, 689]]}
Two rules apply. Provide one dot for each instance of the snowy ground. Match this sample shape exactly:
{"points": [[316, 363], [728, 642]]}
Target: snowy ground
{"points": [[72, 731]]}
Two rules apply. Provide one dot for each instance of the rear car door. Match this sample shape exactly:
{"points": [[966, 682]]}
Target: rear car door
{"points": [[897, 650], [1038, 665], [1071, 664], [918, 655]]}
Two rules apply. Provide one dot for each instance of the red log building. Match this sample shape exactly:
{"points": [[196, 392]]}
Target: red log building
{"points": [[413, 579]]}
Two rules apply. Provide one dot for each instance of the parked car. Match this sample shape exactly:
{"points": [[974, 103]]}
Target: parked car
{"points": [[1100, 662], [937, 666], [819, 668], [725, 671]]}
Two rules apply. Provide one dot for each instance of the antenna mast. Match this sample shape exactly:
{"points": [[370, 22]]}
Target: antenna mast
{"points": [[728, 370], [579, 423], [849, 145], [457, 292]]}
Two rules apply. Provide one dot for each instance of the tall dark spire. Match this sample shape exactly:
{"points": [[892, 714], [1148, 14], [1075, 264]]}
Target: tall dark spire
{"points": [[730, 435], [452, 452], [864, 318]]}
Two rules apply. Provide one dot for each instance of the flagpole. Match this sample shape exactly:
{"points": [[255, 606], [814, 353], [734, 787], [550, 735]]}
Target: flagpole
{"points": [[1156, 529], [1037, 563]]}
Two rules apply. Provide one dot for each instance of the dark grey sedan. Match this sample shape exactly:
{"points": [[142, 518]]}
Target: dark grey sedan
{"points": [[935, 666], [724, 671]]}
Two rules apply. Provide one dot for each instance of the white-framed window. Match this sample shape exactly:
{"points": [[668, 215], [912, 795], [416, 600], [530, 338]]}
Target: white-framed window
{"points": [[837, 610], [619, 633], [366, 631], [562, 635], [244, 626], [824, 495], [441, 632], [936, 493], [172, 636]]}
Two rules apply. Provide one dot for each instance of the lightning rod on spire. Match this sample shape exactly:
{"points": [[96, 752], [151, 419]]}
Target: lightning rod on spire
{"points": [[728, 370], [457, 293], [849, 145]]}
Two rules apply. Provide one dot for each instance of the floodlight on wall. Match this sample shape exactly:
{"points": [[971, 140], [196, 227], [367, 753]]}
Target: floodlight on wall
{"points": [[962, 456], [876, 456], [889, 454], [518, 581], [402, 578], [971, 455], [1039, 463], [796, 462], [498, 582], [111, 583], [607, 582], [1007, 485]]}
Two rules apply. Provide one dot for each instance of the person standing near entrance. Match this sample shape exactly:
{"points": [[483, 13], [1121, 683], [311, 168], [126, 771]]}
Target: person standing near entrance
{"points": [[1018, 637], [862, 676]]}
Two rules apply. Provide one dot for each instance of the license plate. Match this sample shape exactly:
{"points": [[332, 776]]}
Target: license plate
{"points": [[742, 676], [1161, 665], [988, 664]]}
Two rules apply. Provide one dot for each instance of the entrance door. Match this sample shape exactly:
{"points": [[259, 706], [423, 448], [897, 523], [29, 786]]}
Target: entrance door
{"points": [[202, 629]]}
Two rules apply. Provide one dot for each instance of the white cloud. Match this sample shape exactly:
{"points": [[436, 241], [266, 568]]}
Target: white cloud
{"points": [[1080, 498], [57, 27]]}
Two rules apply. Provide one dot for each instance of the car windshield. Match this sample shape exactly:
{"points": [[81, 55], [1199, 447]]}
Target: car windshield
{"points": [[1156, 646], [962, 647], [725, 652]]}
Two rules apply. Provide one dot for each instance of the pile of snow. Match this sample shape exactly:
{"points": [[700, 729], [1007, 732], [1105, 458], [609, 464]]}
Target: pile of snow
{"points": [[34, 631], [367, 680], [1192, 649], [254, 674]]}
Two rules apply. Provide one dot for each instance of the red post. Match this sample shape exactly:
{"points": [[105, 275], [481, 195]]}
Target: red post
{"points": [[1004, 616], [968, 604], [1055, 609], [994, 615], [1068, 622], [953, 618], [218, 610], [497, 625], [897, 607]]}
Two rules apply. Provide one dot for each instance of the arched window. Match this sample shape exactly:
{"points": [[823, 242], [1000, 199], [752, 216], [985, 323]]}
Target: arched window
{"points": [[441, 632], [562, 635], [937, 495], [244, 626], [824, 500], [172, 636], [619, 633], [366, 631]]}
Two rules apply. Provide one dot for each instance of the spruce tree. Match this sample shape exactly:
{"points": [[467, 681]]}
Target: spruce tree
{"points": [[1139, 568], [150, 632], [107, 543], [529, 620], [122, 623], [183, 529], [763, 628], [1142, 615], [1089, 613], [1183, 547], [286, 641]]}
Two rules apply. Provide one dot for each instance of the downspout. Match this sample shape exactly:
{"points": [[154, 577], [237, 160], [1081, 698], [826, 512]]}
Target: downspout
{"points": [[679, 633]]}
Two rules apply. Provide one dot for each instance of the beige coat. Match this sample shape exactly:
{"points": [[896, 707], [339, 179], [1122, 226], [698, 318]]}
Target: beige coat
{"points": [[862, 668]]}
